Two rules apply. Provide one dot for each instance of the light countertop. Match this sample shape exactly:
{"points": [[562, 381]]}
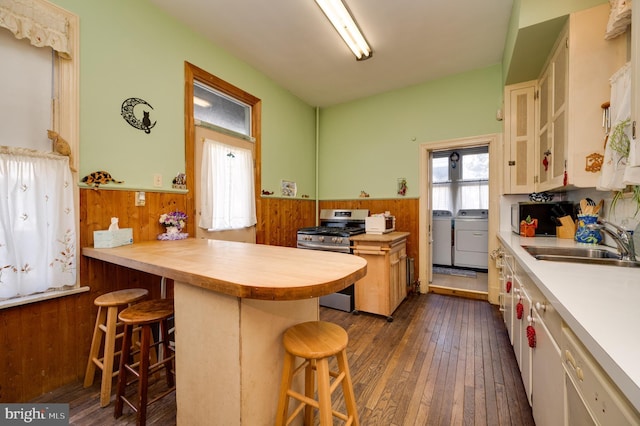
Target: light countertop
{"points": [[601, 305]]}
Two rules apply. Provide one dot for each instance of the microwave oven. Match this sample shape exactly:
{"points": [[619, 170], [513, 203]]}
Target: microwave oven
{"points": [[544, 212], [380, 224]]}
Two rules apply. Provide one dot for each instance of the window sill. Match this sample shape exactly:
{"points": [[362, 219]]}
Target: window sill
{"points": [[17, 301], [107, 187]]}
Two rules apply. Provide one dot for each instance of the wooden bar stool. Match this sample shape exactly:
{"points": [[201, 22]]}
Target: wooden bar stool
{"points": [[106, 325], [145, 315], [316, 342]]}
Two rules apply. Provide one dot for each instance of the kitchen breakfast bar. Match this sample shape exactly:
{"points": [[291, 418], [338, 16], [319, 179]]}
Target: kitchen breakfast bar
{"points": [[232, 302]]}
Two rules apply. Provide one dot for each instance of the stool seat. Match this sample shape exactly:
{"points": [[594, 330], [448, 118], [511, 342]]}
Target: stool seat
{"points": [[121, 297], [316, 342], [315, 339], [106, 325], [147, 312], [145, 315]]}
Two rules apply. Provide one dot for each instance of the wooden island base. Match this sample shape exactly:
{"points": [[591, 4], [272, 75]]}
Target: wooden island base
{"points": [[238, 361]]}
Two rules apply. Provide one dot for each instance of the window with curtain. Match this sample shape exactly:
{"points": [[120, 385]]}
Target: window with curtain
{"points": [[38, 197], [227, 189], [460, 179]]}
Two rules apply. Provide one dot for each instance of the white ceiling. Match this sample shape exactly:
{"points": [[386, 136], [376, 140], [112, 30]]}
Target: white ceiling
{"points": [[293, 43]]}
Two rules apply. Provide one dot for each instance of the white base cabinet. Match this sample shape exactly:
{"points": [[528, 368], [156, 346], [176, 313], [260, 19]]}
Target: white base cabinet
{"points": [[547, 408], [541, 365], [564, 384]]}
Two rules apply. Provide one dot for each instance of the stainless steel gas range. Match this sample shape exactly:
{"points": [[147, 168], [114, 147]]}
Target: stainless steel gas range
{"points": [[336, 226]]}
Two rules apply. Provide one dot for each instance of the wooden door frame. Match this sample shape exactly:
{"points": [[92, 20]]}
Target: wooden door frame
{"points": [[493, 141]]}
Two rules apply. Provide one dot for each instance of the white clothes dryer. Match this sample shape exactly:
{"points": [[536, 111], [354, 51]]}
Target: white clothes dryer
{"points": [[471, 245]]}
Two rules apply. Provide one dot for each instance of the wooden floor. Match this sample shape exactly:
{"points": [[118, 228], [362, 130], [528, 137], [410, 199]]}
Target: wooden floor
{"points": [[443, 360], [456, 285]]}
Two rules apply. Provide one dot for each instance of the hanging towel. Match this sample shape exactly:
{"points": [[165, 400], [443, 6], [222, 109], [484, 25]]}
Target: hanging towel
{"points": [[619, 18], [616, 151]]}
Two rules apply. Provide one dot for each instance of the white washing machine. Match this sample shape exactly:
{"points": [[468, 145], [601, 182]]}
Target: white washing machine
{"points": [[471, 245], [442, 246]]}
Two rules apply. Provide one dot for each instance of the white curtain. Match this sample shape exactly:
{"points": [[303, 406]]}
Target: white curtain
{"points": [[38, 21], [455, 196], [37, 227], [227, 189]]}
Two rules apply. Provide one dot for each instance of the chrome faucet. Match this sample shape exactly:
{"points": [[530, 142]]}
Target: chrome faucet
{"points": [[622, 237]]}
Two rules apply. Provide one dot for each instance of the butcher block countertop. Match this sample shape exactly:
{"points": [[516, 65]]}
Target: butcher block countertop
{"points": [[253, 271], [385, 238]]}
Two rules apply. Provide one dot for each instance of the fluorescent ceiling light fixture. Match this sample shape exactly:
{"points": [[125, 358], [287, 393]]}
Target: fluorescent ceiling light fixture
{"points": [[341, 19], [201, 102]]}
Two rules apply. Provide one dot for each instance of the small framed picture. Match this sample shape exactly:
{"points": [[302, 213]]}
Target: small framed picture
{"points": [[289, 188], [402, 186]]}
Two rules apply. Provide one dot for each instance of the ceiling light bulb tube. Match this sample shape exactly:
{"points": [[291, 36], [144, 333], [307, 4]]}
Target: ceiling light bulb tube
{"points": [[201, 102], [343, 22]]}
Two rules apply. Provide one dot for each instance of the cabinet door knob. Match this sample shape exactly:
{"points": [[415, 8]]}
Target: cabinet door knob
{"points": [[541, 306]]}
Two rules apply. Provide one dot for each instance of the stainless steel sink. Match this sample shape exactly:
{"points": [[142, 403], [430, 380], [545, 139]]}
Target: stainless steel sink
{"points": [[593, 256]]}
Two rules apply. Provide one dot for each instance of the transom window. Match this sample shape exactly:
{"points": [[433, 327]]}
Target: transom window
{"points": [[221, 111]]}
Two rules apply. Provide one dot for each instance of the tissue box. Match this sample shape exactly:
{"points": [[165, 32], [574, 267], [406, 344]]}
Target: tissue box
{"points": [[110, 239]]}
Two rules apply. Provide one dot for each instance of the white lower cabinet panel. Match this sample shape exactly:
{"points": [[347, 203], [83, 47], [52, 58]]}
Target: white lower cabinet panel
{"points": [[548, 381], [590, 389]]}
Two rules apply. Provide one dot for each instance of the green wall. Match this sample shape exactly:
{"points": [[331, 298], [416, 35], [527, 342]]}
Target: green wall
{"points": [[133, 49], [366, 145]]}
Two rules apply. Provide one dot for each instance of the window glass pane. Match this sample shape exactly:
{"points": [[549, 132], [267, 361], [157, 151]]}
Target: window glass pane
{"points": [[213, 107], [475, 166], [440, 169], [25, 93]]}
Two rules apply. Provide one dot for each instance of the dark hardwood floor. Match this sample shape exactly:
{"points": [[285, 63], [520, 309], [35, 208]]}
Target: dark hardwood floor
{"points": [[443, 360]]}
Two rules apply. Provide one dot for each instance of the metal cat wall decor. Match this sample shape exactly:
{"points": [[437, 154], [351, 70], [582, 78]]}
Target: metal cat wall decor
{"points": [[127, 111]]}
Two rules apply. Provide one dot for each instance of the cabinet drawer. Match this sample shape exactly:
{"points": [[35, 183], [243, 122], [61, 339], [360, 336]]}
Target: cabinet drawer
{"points": [[603, 399]]}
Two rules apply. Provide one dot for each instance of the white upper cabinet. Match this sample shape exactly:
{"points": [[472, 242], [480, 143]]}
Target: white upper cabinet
{"points": [[520, 138], [571, 90]]}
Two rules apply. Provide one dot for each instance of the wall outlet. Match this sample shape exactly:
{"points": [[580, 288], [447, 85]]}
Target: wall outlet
{"points": [[157, 180], [140, 199]]}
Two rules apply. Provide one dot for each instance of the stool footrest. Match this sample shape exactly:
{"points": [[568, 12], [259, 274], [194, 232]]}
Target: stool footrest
{"points": [[312, 402]]}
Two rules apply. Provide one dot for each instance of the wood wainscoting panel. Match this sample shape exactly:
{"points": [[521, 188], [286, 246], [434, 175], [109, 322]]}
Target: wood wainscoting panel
{"points": [[280, 218], [404, 209]]}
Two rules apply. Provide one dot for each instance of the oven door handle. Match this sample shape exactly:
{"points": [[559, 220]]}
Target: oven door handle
{"points": [[313, 246]]}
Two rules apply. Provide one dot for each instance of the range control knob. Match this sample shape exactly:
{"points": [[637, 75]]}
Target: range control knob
{"points": [[321, 239]]}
